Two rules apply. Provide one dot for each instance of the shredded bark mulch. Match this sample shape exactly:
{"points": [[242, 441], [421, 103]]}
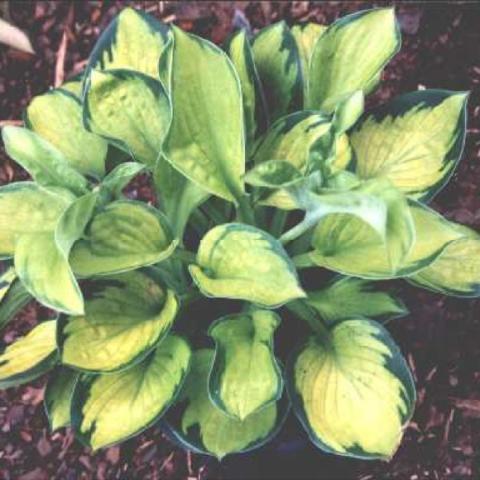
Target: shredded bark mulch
{"points": [[441, 337]]}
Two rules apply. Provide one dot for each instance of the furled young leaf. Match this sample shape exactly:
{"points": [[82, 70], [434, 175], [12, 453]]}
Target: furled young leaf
{"points": [[206, 138], [133, 40], [126, 316], [277, 60], [347, 296], [240, 261], [39, 257], [129, 109], [457, 270], [47, 165], [29, 357], [57, 117], [58, 397], [254, 104], [14, 300], [273, 174], [292, 139], [35, 210], [245, 375], [123, 236], [119, 177], [350, 55], [353, 391], [306, 36], [350, 248], [110, 408], [202, 427], [178, 196], [415, 140], [348, 111]]}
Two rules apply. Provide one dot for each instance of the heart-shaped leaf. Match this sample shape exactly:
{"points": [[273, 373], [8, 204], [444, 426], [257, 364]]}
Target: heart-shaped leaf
{"points": [[125, 235], [107, 409], [127, 315], [353, 249], [119, 104], [245, 375], [277, 61], [40, 257], [418, 160], [58, 397], [350, 56], [347, 296], [240, 261], [352, 391], [206, 139], [29, 357], [47, 165], [133, 40], [57, 117], [200, 426], [36, 210], [456, 271]]}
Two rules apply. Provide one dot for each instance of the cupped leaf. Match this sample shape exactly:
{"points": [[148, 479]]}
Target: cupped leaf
{"points": [[346, 297], [456, 271], [206, 139], [415, 141], [306, 36], [29, 357], [13, 301], [41, 257], [133, 40], [293, 139], [129, 109], [47, 165], [107, 409], [240, 261], [123, 236], [254, 104], [57, 117], [277, 60], [202, 427], [125, 317], [348, 111], [353, 391], [178, 196], [350, 56], [58, 397], [245, 375], [36, 210], [346, 245]]}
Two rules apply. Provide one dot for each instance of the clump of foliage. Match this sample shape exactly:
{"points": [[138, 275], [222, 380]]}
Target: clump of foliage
{"points": [[267, 172]]}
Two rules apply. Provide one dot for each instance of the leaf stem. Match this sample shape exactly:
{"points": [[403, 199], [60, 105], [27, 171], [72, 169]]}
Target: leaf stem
{"points": [[278, 222], [303, 261], [214, 213], [297, 230], [245, 210], [302, 310]]}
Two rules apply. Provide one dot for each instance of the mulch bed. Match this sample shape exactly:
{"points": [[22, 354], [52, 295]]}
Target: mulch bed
{"points": [[441, 337]]}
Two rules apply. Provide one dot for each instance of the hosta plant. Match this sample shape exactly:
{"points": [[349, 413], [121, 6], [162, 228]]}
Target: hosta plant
{"points": [[211, 310]]}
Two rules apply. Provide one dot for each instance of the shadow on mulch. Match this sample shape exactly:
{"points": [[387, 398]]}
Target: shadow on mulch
{"points": [[441, 49]]}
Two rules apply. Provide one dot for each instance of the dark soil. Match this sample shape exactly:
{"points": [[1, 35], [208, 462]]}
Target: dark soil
{"points": [[441, 337]]}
